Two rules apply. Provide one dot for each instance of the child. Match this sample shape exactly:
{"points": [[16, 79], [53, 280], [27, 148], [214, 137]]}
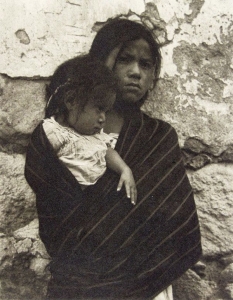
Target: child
{"points": [[75, 117]]}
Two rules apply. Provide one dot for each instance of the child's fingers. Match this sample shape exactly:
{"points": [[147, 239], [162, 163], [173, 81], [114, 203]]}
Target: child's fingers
{"points": [[120, 185], [131, 191], [128, 191], [133, 195]]}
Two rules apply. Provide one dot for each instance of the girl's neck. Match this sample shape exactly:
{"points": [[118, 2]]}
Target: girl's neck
{"points": [[115, 117], [114, 122], [125, 109]]}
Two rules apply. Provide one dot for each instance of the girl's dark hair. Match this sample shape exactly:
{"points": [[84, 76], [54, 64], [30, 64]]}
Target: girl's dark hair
{"points": [[81, 79], [119, 31]]}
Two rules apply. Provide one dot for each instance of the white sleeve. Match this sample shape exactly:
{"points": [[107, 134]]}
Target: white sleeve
{"points": [[54, 135]]}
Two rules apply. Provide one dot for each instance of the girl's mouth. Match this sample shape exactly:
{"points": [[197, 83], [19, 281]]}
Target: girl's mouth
{"points": [[133, 85], [132, 88]]}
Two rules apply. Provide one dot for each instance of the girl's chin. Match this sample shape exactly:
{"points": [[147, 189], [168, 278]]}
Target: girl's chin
{"points": [[130, 98]]}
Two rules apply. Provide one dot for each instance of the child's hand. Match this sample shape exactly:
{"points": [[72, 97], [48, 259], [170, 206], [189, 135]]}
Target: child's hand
{"points": [[128, 180]]}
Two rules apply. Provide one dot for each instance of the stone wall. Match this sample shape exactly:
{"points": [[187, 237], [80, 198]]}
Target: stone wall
{"points": [[194, 94]]}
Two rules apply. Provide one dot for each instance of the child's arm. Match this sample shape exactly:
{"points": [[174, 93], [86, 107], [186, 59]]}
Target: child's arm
{"points": [[116, 163]]}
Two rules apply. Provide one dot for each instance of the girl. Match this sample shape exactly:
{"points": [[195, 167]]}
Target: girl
{"points": [[101, 246], [75, 120]]}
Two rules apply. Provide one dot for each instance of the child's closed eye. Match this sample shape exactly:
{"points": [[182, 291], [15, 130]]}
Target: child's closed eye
{"points": [[124, 59]]}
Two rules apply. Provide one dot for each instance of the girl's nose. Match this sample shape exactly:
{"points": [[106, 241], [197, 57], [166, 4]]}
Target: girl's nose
{"points": [[134, 70]]}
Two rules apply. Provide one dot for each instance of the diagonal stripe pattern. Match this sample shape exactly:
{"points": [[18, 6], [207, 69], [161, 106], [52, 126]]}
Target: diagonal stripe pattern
{"points": [[101, 245]]}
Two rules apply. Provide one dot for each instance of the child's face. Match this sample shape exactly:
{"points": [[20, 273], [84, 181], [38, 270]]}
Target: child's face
{"points": [[91, 119]]}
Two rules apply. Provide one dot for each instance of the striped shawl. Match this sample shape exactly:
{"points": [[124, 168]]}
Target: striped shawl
{"points": [[101, 245]]}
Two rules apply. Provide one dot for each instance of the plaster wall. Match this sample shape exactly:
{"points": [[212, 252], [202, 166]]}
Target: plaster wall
{"points": [[194, 94]]}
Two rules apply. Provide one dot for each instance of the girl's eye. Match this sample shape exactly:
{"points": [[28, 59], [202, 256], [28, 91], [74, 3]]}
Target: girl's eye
{"points": [[146, 65]]}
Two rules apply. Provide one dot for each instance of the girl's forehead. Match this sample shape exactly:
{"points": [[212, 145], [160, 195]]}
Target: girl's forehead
{"points": [[139, 46]]}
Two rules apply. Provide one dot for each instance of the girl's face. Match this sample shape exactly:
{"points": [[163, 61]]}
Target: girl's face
{"points": [[135, 70], [90, 120]]}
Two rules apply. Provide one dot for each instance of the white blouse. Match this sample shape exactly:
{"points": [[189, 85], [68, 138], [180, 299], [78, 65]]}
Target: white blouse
{"points": [[84, 155]]}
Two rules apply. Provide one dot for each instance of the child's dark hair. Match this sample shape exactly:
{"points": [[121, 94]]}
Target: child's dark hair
{"points": [[79, 79]]}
